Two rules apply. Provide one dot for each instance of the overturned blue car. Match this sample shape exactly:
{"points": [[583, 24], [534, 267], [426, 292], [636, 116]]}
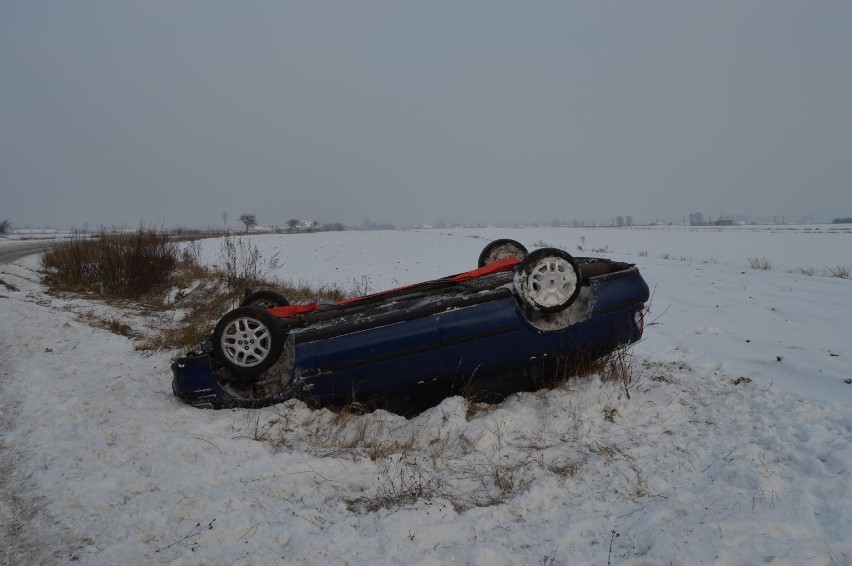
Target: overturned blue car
{"points": [[513, 323]]}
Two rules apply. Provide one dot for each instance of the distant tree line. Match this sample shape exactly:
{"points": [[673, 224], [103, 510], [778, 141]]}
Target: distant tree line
{"points": [[368, 224], [249, 220], [696, 219], [847, 220]]}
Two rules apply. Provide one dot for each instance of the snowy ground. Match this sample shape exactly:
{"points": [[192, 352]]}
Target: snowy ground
{"points": [[734, 446]]}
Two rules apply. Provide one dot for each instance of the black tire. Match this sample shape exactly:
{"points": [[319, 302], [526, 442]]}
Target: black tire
{"points": [[548, 280], [248, 341], [265, 299], [501, 249]]}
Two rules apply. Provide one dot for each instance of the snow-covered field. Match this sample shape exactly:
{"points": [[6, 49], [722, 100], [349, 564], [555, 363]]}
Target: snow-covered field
{"points": [[734, 446]]}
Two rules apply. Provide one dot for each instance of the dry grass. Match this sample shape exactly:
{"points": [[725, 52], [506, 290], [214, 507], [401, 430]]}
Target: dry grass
{"points": [[841, 271], [200, 300], [111, 324], [809, 271], [616, 365], [113, 264], [483, 480], [242, 266], [564, 466], [147, 273], [761, 263]]}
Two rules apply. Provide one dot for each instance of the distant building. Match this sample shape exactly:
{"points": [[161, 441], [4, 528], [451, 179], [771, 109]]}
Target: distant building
{"points": [[724, 222], [307, 225]]}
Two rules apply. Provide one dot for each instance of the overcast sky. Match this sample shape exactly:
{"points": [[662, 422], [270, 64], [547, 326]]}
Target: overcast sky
{"points": [[172, 113]]}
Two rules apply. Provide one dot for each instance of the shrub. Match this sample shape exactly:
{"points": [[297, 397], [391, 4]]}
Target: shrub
{"points": [[840, 271], [114, 264], [615, 365], [762, 263], [190, 253], [242, 265], [809, 271]]}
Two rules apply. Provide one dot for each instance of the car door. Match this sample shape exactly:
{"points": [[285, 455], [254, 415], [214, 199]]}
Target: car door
{"points": [[379, 361], [483, 337]]}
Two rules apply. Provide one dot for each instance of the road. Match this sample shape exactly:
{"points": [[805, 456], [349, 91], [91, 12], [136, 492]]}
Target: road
{"points": [[14, 250]]}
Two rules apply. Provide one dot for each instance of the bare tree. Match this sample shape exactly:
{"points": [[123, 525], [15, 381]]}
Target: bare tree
{"points": [[292, 223], [225, 222], [250, 220], [5, 226]]}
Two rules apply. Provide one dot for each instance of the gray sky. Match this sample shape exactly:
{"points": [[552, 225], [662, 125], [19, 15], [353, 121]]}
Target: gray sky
{"points": [[404, 112]]}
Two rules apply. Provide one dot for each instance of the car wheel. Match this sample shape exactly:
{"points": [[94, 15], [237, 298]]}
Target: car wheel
{"points": [[548, 280], [248, 341], [501, 249], [265, 299]]}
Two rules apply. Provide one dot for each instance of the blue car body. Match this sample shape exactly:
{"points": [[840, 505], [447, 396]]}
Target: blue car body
{"points": [[417, 345]]}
